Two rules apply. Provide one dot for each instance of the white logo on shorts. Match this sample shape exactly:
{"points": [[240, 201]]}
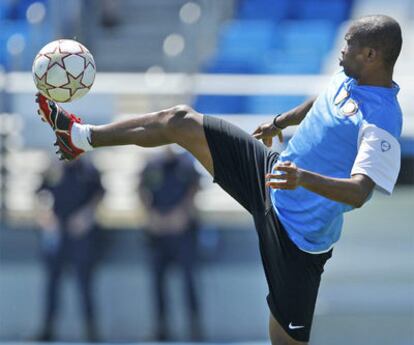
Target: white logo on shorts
{"points": [[295, 327]]}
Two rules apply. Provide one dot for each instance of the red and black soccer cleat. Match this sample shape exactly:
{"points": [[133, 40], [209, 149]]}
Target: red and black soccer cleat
{"points": [[61, 122]]}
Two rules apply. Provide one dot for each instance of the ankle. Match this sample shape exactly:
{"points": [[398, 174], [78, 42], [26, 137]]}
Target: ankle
{"points": [[81, 136]]}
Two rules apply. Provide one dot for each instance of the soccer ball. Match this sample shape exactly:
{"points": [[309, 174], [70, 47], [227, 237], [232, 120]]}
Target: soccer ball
{"points": [[64, 70]]}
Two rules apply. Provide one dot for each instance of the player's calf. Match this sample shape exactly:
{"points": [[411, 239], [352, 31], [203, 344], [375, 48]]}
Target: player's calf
{"points": [[179, 124], [146, 130]]}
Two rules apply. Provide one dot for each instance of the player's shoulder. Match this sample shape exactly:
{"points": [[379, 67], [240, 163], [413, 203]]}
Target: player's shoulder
{"points": [[386, 115], [379, 106]]}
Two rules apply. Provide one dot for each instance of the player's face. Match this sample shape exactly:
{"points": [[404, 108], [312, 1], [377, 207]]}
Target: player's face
{"points": [[352, 59]]}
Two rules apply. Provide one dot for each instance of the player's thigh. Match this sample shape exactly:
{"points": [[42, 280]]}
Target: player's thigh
{"points": [[278, 336], [186, 129], [240, 162], [237, 161]]}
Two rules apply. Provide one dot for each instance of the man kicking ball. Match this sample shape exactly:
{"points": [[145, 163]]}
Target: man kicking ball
{"points": [[346, 145]]}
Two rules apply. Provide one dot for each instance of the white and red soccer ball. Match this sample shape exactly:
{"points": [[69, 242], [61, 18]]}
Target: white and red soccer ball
{"points": [[64, 70]]}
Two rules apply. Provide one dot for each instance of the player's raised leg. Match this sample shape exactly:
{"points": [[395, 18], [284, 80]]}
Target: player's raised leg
{"points": [[180, 124], [184, 126]]}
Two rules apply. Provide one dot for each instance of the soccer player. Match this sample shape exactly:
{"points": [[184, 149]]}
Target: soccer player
{"points": [[346, 145]]}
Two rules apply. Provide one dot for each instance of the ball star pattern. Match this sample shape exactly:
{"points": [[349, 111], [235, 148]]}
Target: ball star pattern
{"points": [[57, 57]]}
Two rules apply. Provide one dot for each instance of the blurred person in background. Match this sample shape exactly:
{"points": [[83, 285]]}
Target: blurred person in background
{"points": [[69, 235], [109, 13], [169, 182]]}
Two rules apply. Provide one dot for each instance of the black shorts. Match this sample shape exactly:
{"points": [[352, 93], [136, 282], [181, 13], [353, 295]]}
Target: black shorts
{"points": [[293, 276]]}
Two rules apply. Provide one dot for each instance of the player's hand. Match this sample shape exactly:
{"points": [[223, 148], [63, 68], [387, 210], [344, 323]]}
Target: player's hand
{"points": [[266, 132], [285, 175]]}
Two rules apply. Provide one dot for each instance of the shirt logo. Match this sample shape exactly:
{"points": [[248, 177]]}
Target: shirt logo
{"points": [[295, 327], [349, 108], [385, 146]]}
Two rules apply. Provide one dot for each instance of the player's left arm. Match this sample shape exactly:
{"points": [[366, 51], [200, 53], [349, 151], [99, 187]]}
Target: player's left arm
{"points": [[353, 191], [376, 165]]}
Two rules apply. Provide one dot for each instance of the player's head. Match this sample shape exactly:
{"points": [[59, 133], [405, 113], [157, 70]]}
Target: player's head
{"points": [[373, 44]]}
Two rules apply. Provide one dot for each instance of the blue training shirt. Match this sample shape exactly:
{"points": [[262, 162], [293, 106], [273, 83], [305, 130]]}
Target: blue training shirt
{"points": [[349, 129]]}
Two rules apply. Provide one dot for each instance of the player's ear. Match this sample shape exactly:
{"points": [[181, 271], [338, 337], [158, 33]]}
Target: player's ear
{"points": [[371, 54]]}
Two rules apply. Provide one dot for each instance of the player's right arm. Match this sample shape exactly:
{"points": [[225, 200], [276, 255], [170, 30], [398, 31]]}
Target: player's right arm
{"points": [[268, 130]]}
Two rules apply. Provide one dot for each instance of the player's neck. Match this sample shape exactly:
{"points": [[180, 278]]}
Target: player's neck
{"points": [[382, 79]]}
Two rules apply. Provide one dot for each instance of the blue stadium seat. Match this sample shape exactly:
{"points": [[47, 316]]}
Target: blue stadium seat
{"points": [[4, 9], [17, 9], [212, 104], [246, 40], [276, 10], [299, 62], [332, 10], [7, 29], [245, 47], [264, 9], [273, 37], [223, 65], [241, 45], [316, 35], [272, 104]]}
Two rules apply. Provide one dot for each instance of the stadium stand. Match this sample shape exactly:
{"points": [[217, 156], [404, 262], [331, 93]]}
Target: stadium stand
{"points": [[273, 37], [145, 26], [23, 28]]}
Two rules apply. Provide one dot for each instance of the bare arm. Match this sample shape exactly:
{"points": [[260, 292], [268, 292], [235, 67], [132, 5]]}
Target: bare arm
{"points": [[353, 191], [266, 131], [295, 116]]}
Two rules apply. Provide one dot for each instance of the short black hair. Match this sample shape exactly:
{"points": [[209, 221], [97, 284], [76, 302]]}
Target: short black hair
{"points": [[379, 32]]}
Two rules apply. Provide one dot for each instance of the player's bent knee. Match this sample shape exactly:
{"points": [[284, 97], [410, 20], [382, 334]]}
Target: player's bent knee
{"points": [[182, 108], [180, 114], [182, 121]]}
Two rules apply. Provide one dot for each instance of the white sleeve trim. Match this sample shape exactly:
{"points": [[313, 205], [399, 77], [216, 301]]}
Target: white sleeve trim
{"points": [[378, 157]]}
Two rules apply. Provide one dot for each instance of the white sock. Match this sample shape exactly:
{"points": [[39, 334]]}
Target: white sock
{"points": [[81, 136]]}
